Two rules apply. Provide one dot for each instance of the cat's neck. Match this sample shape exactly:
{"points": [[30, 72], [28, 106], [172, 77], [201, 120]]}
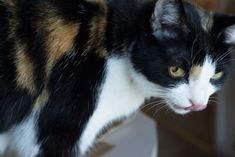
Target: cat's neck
{"points": [[126, 23], [120, 87]]}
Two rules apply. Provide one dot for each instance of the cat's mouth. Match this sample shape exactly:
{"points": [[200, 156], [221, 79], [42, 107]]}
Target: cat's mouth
{"points": [[177, 108], [180, 109], [191, 108], [184, 110]]}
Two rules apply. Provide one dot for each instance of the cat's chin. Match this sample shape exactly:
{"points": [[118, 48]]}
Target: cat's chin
{"points": [[179, 111], [182, 112]]}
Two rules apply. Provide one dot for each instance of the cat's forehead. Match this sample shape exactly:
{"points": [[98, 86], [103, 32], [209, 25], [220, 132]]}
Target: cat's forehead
{"points": [[194, 54], [196, 48]]}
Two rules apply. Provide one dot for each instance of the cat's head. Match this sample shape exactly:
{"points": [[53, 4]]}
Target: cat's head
{"points": [[183, 54]]}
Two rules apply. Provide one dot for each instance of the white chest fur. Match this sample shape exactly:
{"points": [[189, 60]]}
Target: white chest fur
{"points": [[119, 97]]}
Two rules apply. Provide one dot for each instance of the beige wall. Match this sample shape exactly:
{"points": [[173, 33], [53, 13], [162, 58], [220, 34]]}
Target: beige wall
{"points": [[207, 4], [225, 117], [226, 6]]}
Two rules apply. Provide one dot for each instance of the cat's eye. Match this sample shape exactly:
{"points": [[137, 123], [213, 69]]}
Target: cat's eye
{"points": [[176, 72], [217, 76]]}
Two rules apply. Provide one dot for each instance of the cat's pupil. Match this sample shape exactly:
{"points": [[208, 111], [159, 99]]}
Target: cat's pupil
{"points": [[175, 69]]}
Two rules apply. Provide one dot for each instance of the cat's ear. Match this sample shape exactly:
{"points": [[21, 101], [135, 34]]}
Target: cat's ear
{"points": [[230, 35], [224, 28], [168, 14]]}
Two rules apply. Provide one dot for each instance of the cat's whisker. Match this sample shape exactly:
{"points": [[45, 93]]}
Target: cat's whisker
{"points": [[225, 62], [158, 110], [192, 49], [151, 103], [213, 96], [156, 105], [153, 106], [159, 104], [225, 54], [197, 53], [212, 101], [168, 110]]}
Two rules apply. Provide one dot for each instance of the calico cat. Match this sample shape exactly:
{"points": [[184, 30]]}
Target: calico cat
{"points": [[70, 68]]}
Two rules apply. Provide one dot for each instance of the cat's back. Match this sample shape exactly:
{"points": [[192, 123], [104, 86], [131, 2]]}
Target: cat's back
{"points": [[35, 37], [5, 15], [35, 34]]}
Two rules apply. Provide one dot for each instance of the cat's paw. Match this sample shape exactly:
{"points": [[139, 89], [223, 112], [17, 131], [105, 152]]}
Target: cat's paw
{"points": [[3, 143]]}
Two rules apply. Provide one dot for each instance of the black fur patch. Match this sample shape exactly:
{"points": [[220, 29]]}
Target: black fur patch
{"points": [[73, 87]]}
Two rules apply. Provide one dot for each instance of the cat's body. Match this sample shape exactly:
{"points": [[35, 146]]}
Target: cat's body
{"points": [[70, 68]]}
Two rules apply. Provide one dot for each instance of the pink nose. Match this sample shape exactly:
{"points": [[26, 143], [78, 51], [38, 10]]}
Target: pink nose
{"points": [[196, 106]]}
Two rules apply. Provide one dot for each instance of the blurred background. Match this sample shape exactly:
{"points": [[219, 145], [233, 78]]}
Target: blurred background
{"points": [[210, 133]]}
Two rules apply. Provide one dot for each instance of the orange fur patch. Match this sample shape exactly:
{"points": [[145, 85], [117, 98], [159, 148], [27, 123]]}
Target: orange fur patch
{"points": [[24, 67], [24, 70], [195, 72], [97, 28], [60, 39], [41, 99], [97, 35]]}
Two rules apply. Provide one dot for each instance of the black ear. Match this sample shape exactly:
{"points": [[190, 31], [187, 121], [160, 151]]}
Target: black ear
{"points": [[168, 14], [224, 27]]}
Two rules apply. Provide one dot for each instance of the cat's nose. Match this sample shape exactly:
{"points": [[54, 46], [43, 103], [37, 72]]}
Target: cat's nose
{"points": [[196, 106]]}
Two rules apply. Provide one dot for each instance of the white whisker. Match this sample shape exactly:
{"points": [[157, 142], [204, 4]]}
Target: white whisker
{"points": [[155, 113], [225, 54]]}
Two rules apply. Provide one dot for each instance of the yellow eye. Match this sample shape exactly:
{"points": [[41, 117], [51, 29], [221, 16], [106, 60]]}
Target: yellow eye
{"points": [[217, 76], [176, 72]]}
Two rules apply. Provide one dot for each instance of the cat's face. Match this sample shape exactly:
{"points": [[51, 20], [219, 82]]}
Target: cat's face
{"points": [[185, 53]]}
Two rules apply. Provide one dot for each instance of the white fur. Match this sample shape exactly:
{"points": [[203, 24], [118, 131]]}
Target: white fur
{"points": [[230, 35], [198, 90], [201, 89], [3, 143], [120, 96], [23, 138]]}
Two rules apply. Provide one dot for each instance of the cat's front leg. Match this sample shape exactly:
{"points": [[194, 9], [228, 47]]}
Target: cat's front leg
{"points": [[58, 134], [58, 146]]}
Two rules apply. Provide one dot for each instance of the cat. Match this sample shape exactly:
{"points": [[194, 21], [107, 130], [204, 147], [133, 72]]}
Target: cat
{"points": [[70, 68]]}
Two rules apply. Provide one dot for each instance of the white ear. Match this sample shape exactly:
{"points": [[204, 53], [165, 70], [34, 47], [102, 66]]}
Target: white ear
{"points": [[230, 35], [167, 13]]}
